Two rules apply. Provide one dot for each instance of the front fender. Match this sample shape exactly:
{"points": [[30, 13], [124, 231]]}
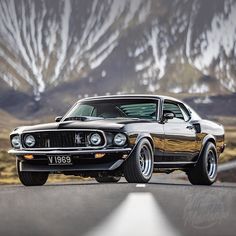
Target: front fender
{"points": [[139, 138], [207, 138]]}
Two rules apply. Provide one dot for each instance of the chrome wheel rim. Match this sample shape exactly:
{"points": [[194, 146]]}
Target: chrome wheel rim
{"points": [[145, 161], [211, 164]]}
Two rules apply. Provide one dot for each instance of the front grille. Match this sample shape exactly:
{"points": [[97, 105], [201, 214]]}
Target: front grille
{"points": [[62, 139]]}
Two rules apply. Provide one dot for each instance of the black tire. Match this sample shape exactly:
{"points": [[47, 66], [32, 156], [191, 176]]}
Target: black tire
{"points": [[205, 171], [138, 167], [107, 179], [31, 178]]}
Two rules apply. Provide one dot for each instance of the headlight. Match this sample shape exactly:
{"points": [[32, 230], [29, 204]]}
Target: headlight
{"points": [[120, 139], [30, 141], [95, 139], [16, 141]]}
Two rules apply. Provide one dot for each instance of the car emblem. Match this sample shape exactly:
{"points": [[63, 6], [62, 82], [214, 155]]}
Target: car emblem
{"points": [[78, 139], [47, 143]]}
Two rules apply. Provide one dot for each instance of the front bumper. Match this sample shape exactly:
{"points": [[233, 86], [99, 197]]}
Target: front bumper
{"points": [[110, 166], [83, 160], [59, 152]]}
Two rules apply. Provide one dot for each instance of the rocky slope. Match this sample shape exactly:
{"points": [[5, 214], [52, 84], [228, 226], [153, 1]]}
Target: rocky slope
{"points": [[54, 47]]}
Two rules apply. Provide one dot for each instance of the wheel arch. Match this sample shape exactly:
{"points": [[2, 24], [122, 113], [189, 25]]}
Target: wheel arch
{"points": [[147, 136], [139, 138], [208, 138]]}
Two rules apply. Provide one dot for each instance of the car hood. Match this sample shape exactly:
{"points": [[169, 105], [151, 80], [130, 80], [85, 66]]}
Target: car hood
{"points": [[103, 124]]}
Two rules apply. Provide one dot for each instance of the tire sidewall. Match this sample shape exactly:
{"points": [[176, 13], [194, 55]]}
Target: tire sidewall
{"points": [[141, 143], [209, 147]]}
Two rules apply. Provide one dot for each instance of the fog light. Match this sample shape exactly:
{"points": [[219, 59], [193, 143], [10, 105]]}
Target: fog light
{"points": [[99, 155], [124, 156], [28, 156]]}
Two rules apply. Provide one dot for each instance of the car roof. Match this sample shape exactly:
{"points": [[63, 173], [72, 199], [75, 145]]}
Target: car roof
{"points": [[135, 96]]}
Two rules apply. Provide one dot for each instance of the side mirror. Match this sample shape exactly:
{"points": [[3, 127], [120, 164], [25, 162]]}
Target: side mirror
{"points": [[169, 115], [58, 118]]}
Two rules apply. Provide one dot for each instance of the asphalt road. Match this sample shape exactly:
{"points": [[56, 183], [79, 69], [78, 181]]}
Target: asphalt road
{"points": [[165, 206]]}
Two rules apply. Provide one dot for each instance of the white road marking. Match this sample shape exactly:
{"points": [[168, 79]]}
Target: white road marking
{"points": [[138, 215], [140, 185]]}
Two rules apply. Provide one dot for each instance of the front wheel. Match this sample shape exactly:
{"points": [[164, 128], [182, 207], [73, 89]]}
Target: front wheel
{"points": [[31, 178], [107, 179], [138, 167], [205, 172]]}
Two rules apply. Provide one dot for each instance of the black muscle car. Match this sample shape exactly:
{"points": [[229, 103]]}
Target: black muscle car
{"points": [[113, 136]]}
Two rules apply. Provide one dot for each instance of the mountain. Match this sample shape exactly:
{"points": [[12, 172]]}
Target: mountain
{"points": [[53, 49]]}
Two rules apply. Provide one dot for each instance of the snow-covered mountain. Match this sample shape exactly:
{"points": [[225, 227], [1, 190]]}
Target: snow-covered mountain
{"points": [[179, 46]]}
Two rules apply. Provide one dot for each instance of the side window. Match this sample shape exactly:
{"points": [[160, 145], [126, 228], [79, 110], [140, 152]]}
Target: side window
{"points": [[173, 107]]}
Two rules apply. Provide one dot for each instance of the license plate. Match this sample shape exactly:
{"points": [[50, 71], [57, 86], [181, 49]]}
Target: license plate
{"points": [[59, 160]]}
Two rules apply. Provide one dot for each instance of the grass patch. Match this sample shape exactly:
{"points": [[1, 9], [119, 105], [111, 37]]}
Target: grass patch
{"points": [[228, 155], [8, 173]]}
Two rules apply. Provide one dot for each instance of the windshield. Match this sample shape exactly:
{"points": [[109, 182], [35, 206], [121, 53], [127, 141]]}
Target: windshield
{"points": [[115, 108]]}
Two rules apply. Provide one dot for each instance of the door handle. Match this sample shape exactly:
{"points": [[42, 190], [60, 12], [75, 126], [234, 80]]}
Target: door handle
{"points": [[189, 127]]}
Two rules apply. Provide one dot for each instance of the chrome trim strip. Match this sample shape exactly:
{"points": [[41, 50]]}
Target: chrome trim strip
{"points": [[175, 163], [47, 130], [58, 151], [59, 130], [116, 165]]}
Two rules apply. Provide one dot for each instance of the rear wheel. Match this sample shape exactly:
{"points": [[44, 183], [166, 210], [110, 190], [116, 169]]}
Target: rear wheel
{"points": [[138, 167], [205, 172], [107, 179], [31, 178]]}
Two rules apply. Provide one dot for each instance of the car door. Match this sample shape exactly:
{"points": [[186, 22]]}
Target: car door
{"points": [[180, 136]]}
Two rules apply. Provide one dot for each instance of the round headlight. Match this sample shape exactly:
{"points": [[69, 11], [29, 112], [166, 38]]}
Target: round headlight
{"points": [[95, 139], [120, 139], [16, 141], [30, 141]]}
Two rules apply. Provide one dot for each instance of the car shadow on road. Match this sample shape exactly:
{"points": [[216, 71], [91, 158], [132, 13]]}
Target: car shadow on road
{"points": [[83, 184], [218, 185]]}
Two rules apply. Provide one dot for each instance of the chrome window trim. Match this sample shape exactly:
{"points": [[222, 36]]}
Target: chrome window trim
{"points": [[65, 130], [153, 98]]}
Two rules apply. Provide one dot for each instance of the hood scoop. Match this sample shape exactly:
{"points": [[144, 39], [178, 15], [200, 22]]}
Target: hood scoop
{"points": [[72, 120], [83, 118]]}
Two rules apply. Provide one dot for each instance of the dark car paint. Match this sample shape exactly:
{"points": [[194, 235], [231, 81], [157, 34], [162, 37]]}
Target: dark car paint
{"points": [[104, 124], [176, 143]]}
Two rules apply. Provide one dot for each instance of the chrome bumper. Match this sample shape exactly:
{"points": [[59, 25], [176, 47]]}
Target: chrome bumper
{"points": [[58, 151]]}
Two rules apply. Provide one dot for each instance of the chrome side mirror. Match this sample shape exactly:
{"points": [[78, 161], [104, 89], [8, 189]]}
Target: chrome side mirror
{"points": [[169, 115], [58, 118]]}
